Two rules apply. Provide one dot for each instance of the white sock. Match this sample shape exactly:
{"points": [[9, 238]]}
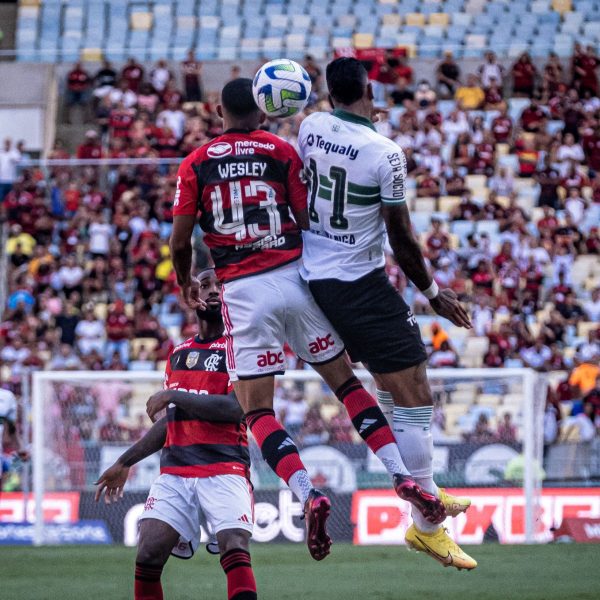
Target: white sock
{"points": [[386, 404], [390, 457], [413, 436], [300, 484]]}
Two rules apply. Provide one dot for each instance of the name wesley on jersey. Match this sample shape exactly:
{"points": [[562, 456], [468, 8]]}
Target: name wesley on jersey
{"points": [[242, 169], [320, 142]]}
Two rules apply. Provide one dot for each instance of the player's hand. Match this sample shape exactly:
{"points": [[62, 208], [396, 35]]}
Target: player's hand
{"points": [[191, 295], [446, 305], [112, 483], [156, 404]]}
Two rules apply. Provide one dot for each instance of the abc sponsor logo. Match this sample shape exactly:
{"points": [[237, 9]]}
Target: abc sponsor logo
{"points": [[219, 150], [270, 359], [321, 343]]}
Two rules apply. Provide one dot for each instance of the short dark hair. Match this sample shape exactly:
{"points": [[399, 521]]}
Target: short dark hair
{"points": [[237, 98], [346, 80]]}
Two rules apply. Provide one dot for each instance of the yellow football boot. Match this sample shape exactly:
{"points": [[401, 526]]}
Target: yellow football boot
{"points": [[441, 546], [454, 505]]}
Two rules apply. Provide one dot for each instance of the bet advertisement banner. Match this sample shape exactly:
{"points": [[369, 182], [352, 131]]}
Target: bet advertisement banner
{"points": [[365, 517], [380, 517]]}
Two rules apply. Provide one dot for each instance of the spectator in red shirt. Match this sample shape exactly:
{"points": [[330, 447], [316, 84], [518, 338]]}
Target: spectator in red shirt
{"points": [[585, 68], [533, 117], [523, 73], [493, 96], [591, 148], [548, 223], [502, 127], [133, 73], [78, 86], [549, 180], [483, 278], [120, 120], [119, 328], [493, 359], [528, 158], [91, 148], [192, 72], [428, 186]]}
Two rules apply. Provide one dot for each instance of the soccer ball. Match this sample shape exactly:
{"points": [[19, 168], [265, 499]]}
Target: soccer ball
{"points": [[281, 88]]}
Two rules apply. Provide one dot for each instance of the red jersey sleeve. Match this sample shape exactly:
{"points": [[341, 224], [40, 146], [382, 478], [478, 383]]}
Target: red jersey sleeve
{"points": [[297, 192], [186, 194], [168, 372]]}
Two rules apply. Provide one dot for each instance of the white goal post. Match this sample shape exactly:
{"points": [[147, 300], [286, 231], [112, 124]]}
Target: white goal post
{"points": [[531, 394]]}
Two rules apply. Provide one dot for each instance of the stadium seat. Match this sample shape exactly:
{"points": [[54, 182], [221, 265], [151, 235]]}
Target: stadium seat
{"points": [[441, 19], [362, 40], [141, 21], [562, 6], [394, 20], [417, 19]]}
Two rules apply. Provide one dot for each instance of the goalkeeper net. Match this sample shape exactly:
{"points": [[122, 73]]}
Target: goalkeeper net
{"points": [[487, 428]]}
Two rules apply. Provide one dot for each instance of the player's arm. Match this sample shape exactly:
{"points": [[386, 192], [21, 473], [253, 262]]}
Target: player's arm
{"points": [[392, 173], [112, 481], [185, 208], [218, 408]]}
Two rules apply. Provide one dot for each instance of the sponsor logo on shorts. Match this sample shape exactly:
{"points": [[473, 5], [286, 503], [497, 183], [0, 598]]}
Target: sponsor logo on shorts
{"points": [[270, 359], [150, 503], [321, 343], [219, 150], [212, 362]]}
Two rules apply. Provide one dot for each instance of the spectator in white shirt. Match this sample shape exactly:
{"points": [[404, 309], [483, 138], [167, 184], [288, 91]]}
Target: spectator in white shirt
{"points": [[592, 307], [537, 356], [569, 150], [174, 118], [70, 276], [503, 182], [489, 70], [575, 206], [123, 94], [99, 232], [9, 159], [482, 316], [160, 76], [90, 333]]}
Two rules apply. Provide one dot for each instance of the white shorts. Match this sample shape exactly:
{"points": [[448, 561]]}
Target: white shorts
{"points": [[263, 312], [184, 503]]}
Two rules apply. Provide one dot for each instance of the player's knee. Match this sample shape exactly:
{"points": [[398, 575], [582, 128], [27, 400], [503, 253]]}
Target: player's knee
{"points": [[233, 539], [151, 554]]}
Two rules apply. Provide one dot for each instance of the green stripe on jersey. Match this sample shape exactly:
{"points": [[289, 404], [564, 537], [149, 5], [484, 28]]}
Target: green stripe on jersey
{"points": [[363, 190], [325, 194], [393, 200]]}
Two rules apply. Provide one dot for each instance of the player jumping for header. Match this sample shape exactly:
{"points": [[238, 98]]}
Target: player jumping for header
{"points": [[244, 187], [357, 193], [204, 463]]}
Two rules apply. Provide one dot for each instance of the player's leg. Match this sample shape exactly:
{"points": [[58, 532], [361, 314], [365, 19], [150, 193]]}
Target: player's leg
{"points": [[168, 526], [255, 334], [227, 503], [412, 414], [235, 561], [314, 339], [156, 541]]}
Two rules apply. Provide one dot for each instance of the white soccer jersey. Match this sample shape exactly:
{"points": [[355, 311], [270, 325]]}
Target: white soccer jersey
{"points": [[8, 410], [352, 170]]}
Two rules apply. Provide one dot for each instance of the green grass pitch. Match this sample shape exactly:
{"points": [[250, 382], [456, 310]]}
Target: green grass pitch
{"points": [[286, 572]]}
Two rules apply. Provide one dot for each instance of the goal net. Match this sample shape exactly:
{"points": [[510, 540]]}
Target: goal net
{"points": [[487, 429]]}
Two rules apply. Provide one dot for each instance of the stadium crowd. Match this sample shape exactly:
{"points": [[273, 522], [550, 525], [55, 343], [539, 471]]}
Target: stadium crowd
{"points": [[91, 284]]}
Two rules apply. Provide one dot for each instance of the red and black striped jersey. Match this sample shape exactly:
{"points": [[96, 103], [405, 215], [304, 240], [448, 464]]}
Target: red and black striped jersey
{"points": [[197, 448], [242, 186]]}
